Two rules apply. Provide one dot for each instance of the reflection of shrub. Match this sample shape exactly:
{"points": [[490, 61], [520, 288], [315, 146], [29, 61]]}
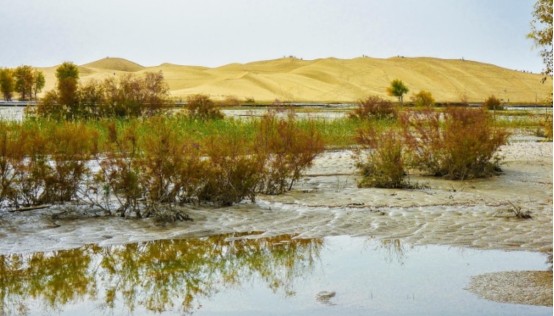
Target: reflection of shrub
{"points": [[374, 107], [492, 103], [203, 108], [423, 98], [289, 148], [464, 147], [382, 164]]}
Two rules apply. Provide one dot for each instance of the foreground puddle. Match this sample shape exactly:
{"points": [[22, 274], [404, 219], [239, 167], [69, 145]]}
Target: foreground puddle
{"points": [[237, 274]]}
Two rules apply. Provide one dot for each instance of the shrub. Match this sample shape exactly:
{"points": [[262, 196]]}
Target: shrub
{"points": [[461, 147], [381, 165], [71, 146], [423, 98], [492, 103], [119, 173], [288, 149], [201, 107], [233, 172], [374, 107], [547, 126]]}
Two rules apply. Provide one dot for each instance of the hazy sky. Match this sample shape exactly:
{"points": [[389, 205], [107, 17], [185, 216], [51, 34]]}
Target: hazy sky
{"points": [[218, 32]]}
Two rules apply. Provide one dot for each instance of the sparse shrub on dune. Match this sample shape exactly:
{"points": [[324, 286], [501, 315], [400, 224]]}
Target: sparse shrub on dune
{"points": [[380, 160], [374, 107], [201, 107], [461, 145]]}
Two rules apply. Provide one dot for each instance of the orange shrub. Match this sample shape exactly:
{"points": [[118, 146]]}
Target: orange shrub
{"points": [[461, 145], [374, 107]]}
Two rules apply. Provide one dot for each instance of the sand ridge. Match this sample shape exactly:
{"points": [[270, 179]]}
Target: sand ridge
{"points": [[332, 79]]}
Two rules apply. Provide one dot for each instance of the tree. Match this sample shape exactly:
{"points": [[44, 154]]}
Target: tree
{"points": [[398, 89], [38, 82], [7, 83], [541, 33], [68, 79], [423, 98], [24, 81]]}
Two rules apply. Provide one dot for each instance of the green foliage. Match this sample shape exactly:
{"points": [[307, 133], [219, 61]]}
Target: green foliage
{"points": [[7, 83], [68, 79], [492, 103], [423, 98], [461, 147], [38, 82], [381, 162], [397, 89], [201, 107], [374, 107], [541, 33], [24, 81], [125, 96]]}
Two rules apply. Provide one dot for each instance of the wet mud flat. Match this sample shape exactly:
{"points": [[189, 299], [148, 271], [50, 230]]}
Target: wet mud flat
{"points": [[471, 216]]}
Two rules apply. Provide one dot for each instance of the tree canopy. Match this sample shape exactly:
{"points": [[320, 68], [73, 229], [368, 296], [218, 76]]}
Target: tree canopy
{"points": [[541, 33], [398, 89]]}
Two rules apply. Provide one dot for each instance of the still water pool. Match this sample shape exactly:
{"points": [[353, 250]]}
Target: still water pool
{"points": [[239, 275]]}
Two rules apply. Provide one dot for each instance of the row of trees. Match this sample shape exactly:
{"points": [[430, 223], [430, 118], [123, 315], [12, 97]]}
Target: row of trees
{"points": [[24, 80], [125, 96]]}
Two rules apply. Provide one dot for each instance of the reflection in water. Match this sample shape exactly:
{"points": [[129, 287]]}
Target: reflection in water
{"points": [[154, 275]]}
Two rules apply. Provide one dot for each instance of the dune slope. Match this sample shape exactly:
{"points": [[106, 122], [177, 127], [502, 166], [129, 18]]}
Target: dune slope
{"points": [[331, 79]]}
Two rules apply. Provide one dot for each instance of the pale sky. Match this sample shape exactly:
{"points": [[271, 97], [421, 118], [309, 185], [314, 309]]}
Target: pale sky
{"points": [[218, 32]]}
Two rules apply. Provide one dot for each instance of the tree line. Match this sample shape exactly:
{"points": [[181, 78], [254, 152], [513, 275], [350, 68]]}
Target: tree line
{"points": [[24, 80], [124, 96]]}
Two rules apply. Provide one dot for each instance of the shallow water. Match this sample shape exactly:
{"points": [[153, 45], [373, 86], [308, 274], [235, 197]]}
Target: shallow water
{"points": [[234, 274]]}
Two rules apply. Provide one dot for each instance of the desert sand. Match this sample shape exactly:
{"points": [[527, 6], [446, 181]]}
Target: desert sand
{"points": [[333, 80]]}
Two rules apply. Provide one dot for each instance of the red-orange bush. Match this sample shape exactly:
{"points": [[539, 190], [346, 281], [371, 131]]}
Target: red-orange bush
{"points": [[374, 107]]}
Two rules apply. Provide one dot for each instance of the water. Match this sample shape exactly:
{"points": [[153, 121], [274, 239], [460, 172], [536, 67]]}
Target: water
{"points": [[234, 274]]}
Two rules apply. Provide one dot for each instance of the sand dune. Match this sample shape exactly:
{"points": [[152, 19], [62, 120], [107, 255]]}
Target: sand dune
{"points": [[331, 79]]}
